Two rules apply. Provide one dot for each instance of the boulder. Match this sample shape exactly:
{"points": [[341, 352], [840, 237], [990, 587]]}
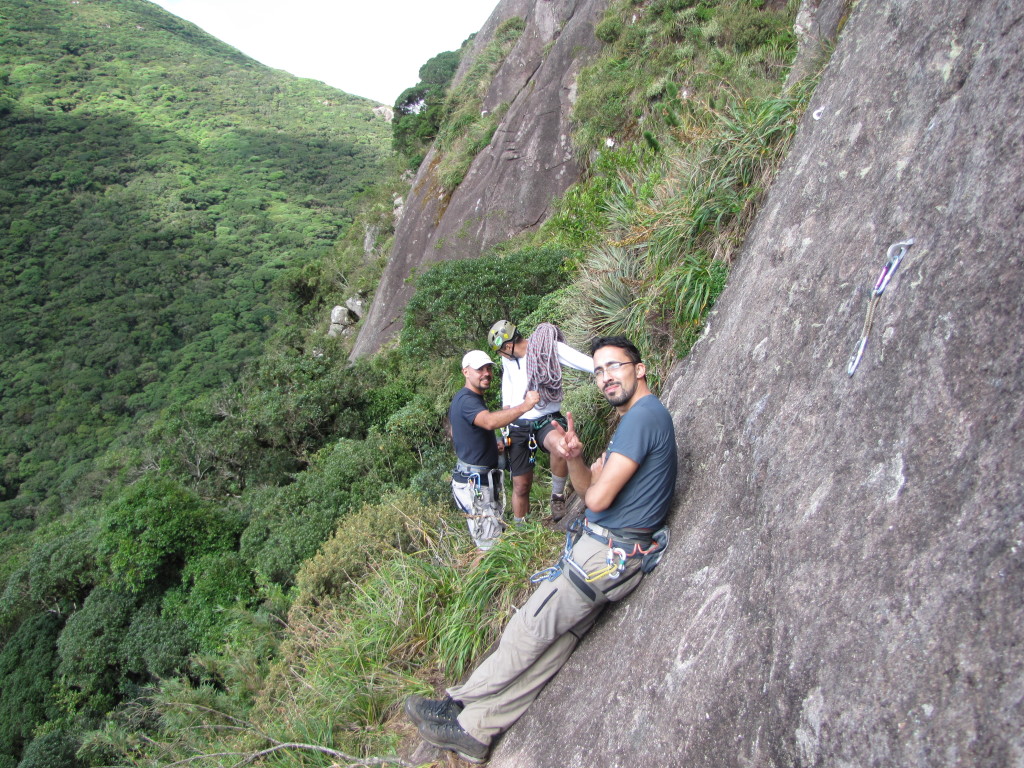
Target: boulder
{"points": [[845, 585], [344, 319]]}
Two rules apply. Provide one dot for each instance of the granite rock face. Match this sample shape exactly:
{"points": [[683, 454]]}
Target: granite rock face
{"points": [[509, 187], [846, 580], [816, 27]]}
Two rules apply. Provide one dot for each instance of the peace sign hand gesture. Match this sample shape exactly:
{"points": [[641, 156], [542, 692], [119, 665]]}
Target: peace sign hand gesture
{"points": [[569, 444]]}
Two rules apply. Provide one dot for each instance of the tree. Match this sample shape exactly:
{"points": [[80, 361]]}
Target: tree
{"points": [[155, 526], [419, 110], [27, 664]]}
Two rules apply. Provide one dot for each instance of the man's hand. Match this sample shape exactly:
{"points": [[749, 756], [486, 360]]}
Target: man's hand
{"points": [[595, 469], [532, 398], [569, 444]]}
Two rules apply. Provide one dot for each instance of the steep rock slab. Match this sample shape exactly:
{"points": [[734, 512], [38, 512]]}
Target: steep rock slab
{"points": [[845, 585], [509, 187]]}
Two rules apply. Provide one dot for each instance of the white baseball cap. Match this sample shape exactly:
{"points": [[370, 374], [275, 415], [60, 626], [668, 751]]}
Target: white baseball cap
{"points": [[476, 359]]}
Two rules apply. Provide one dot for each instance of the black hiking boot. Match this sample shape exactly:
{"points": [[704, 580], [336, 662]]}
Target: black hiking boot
{"points": [[423, 710], [452, 736]]}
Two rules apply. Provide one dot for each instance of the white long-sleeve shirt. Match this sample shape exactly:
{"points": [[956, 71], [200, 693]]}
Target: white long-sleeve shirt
{"points": [[514, 379]]}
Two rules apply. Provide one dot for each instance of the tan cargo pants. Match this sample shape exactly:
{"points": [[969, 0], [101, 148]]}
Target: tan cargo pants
{"points": [[537, 641]]}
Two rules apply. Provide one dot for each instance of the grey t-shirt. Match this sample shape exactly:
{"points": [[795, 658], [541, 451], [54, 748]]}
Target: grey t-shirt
{"points": [[647, 436]]}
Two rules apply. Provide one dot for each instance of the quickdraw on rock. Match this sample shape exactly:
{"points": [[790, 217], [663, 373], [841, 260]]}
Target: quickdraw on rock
{"points": [[894, 256]]}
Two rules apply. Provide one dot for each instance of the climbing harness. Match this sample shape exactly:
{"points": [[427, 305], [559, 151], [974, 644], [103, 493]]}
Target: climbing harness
{"points": [[552, 572], [894, 256], [485, 506], [546, 419], [535, 427], [615, 558]]}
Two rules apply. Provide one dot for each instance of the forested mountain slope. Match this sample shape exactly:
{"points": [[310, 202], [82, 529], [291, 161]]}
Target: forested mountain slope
{"points": [[159, 194]]}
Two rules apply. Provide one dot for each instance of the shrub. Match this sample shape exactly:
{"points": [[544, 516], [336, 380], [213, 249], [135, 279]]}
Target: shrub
{"points": [[289, 524], [444, 319], [213, 587], [608, 30], [431, 483], [420, 110], [52, 749], [88, 646], [581, 215], [397, 523], [62, 567], [745, 27], [27, 663], [155, 526], [154, 646]]}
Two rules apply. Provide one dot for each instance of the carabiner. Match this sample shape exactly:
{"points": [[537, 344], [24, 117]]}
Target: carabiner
{"points": [[892, 261], [550, 573]]}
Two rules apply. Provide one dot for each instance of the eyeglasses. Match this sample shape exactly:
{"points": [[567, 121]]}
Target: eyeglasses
{"points": [[602, 372]]}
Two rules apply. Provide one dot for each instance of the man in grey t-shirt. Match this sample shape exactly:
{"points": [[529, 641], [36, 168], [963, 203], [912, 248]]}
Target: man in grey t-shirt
{"points": [[627, 493]]}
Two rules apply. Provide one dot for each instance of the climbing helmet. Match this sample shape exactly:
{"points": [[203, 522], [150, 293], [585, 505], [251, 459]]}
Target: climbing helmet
{"points": [[501, 332]]}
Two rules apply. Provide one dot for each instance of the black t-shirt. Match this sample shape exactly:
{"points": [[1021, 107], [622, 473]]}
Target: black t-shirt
{"points": [[473, 445]]}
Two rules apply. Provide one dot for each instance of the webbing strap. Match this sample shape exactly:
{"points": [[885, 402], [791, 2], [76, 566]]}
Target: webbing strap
{"points": [[581, 585], [469, 469]]}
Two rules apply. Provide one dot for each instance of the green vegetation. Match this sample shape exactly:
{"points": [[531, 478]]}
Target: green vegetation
{"points": [[467, 126], [419, 111], [158, 193], [220, 537], [440, 322]]}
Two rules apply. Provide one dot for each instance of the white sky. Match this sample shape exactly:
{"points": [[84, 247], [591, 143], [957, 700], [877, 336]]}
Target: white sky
{"points": [[370, 48]]}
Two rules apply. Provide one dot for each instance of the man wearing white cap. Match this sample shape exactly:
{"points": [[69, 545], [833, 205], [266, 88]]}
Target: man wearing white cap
{"points": [[477, 483]]}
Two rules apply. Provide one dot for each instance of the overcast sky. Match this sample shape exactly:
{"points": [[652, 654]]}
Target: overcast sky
{"points": [[372, 48]]}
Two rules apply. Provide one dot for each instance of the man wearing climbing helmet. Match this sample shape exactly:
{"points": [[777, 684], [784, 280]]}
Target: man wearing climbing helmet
{"points": [[477, 484], [621, 536], [534, 363]]}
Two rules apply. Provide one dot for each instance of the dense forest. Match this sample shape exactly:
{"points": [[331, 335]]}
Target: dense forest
{"points": [[221, 539], [158, 192]]}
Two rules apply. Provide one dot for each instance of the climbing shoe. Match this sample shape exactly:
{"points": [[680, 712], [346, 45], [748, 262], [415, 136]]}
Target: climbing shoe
{"points": [[423, 710], [452, 736], [557, 507]]}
